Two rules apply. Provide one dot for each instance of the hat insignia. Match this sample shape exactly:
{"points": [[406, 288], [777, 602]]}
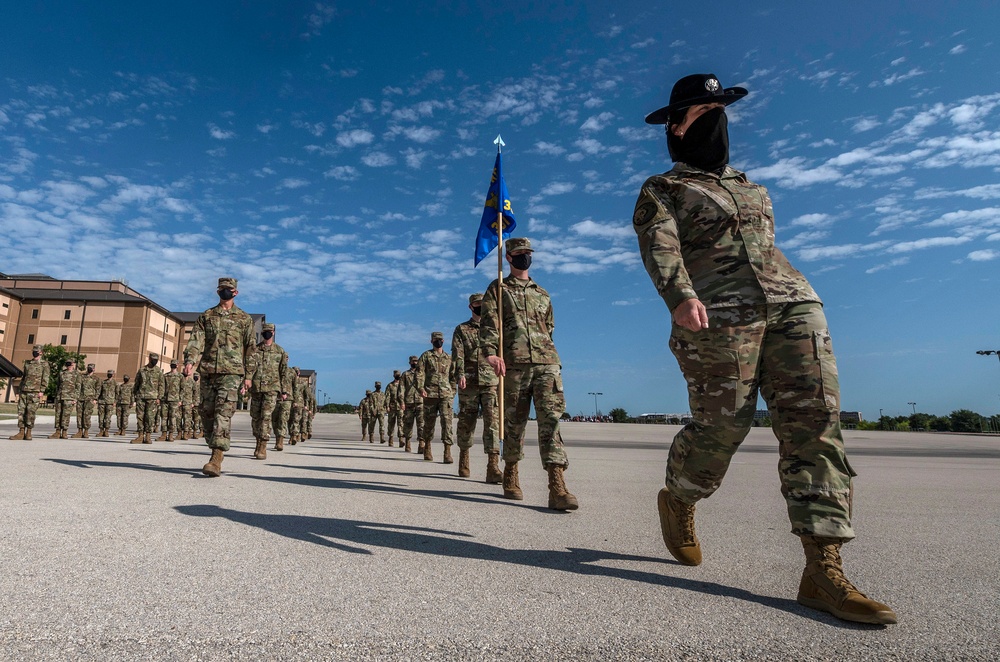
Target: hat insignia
{"points": [[712, 85]]}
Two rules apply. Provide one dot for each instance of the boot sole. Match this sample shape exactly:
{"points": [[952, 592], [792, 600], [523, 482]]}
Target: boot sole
{"points": [[572, 506], [878, 618], [677, 552], [210, 472]]}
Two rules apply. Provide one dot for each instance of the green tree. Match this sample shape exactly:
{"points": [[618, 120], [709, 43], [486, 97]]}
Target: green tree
{"points": [[619, 415], [920, 421], [940, 424], [334, 408], [966, 420], [57, 355]]}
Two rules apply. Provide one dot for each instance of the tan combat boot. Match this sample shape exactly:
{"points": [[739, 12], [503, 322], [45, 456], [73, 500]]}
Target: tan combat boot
{"points": [[86, 433], [447, 455], [27, 433], [138, 438], [279, 444], [463, 463], [162, 437], [78, 435], [170, 436], [420, 446], [294, 439], [428, 452], [511, 486], [64, 434], [18, 436], [390, 442], [677, 526], [493, 474], [407, 448], [146, 438], [824, 586], [559, 497], [214, 466], [260, 453], [56, 435]]}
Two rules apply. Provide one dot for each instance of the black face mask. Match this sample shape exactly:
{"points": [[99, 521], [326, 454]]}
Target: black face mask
{"points": [[226, 294], [705, 144], [89, 371], [521, 261], [152, 362], [438, 343], [125, 380], [477, 310], [413, 365], [268, 335], [196, 377]]}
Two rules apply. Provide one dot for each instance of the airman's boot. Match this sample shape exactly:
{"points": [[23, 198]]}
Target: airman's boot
{"points": [[390, 441], [824, 586], [559, 497], [381, 439], [493, 474], [511, 488], [27, 433], [428, 452], [463, 463], [294, 439], [677, 525], [420, 446], [214, 466], [447, 455], [18, 436], [146, 438], [162, 437], [78, 435], [279, 444], [407, 448], [86, 433], [138, 438], [260, 453], [63, 434], [56, 435], [170, 436]]}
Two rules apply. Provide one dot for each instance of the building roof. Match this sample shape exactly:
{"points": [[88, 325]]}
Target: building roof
{"points": [[75, 295], [8, 369]]}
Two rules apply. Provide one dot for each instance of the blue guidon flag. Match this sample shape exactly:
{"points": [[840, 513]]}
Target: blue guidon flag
{"points": [[488, 237]]}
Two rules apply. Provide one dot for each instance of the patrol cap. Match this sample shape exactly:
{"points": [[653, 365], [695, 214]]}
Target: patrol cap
{"points": [[437, 335], [519, 244], [110, 372], [378, 384], [267, 326], [37, 348], [173, 363], [295, 368], [395, 374], [227, 282], [368, 391], [413, 358], [125, 376], [693, 90], [476, 298], [70, 360], [154, 355], [91, 366]]}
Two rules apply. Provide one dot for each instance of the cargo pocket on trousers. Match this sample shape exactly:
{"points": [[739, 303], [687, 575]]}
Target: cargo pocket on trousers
{"points": [[829, 381], [712, 374]]}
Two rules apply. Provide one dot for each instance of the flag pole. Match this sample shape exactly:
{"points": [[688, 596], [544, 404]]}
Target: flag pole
{"points": [[500, 422]]}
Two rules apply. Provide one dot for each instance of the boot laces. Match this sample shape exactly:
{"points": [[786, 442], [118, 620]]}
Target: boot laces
{"points": [[833, 568], [685, 518]]}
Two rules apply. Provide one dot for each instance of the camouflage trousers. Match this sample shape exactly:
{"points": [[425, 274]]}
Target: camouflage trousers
{"points": [[187, 417], [279, 417], [104, 410], [413, 414], [309, 422], [541, 383], [784, 352], [380, 419], [84, 410], [295, 421], [122, 411], [395, 423], [435, 408], [262, 408], [364, 426], [27, 405], [64, 411], [472, 401], [145, 414], [218, 404], [172, 421]]}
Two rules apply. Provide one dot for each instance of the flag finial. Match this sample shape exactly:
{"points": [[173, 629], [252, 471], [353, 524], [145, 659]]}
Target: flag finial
{"points": [[499, 142]]}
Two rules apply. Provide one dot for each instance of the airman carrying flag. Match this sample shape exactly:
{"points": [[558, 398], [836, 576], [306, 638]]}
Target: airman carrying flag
{"points": [[496, 211]]}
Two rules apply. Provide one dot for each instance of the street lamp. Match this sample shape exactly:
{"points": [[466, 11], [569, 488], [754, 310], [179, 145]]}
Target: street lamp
{"points": [[987, 352], [914, 405], [595, 394]]}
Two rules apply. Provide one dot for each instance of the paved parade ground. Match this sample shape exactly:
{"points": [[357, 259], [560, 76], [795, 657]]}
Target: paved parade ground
{"points": [[340, 549]]}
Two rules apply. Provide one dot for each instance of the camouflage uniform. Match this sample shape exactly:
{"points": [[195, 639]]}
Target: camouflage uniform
{"points": [[394, 408], [711, 237], [364, 413], [378, 412], [34, 382], [88, 386], [533, 370], [187, 407], [196, 407], [268, 378], [148, 390], [67, 388], [310, 412], [106, 402], [480, 392], [222, 344], [434, 376], [124, 400], [299, 401], [172, 383], [413, 403]]}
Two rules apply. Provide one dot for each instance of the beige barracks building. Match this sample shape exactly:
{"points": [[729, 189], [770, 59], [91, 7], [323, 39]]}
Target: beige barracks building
{"points": [[112, 324]]}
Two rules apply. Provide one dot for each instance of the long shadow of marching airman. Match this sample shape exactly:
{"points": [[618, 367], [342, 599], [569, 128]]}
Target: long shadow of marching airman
{"points": [[347, 535]]}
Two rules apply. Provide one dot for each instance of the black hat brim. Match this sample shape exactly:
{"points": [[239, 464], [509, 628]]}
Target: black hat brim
{"points": [[728, 96]]}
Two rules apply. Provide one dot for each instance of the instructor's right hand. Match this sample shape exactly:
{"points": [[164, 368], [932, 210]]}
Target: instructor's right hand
{"points": [[691, 315]]}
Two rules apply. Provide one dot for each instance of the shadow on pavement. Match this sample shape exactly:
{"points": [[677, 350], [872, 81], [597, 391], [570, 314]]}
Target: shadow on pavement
{"points": [[88, 464], [345, 534]]}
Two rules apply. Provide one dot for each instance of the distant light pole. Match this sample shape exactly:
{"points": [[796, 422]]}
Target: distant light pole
{"points": [[914, 405], [987, 352], [595, 394], [325, 401]]}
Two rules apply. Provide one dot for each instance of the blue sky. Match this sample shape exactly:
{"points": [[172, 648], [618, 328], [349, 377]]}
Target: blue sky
{"points": [[335, 157]]}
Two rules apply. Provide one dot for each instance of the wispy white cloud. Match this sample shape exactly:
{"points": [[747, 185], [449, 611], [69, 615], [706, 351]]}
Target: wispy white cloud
{"points": [[220, 134], [377, 159], [355, 137]]}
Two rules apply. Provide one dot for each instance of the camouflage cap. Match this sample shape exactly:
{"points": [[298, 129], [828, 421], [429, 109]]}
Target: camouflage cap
{"points": [[37, 348], [154, 355], [413, 358], [227, 282], [295, 368], [368, 391], [110, 372], [519, 244], [70, 360], [395, 374], [378, 384], [267, 326], [125, 376], [437, 335], [173, 363], [475, 298], [91, 366]]}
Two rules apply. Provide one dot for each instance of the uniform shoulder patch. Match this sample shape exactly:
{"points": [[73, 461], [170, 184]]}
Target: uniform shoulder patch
{"points": [[646, 209]]}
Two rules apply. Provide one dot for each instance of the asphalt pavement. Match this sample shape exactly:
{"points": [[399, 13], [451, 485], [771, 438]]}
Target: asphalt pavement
{"points": [[344, 550]]}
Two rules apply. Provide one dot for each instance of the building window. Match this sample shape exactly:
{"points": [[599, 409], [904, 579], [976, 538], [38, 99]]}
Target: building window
{"points": [[31, 338], [6, 305], [62, 340], [66, 315], [34, 313], [168, 328]]}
